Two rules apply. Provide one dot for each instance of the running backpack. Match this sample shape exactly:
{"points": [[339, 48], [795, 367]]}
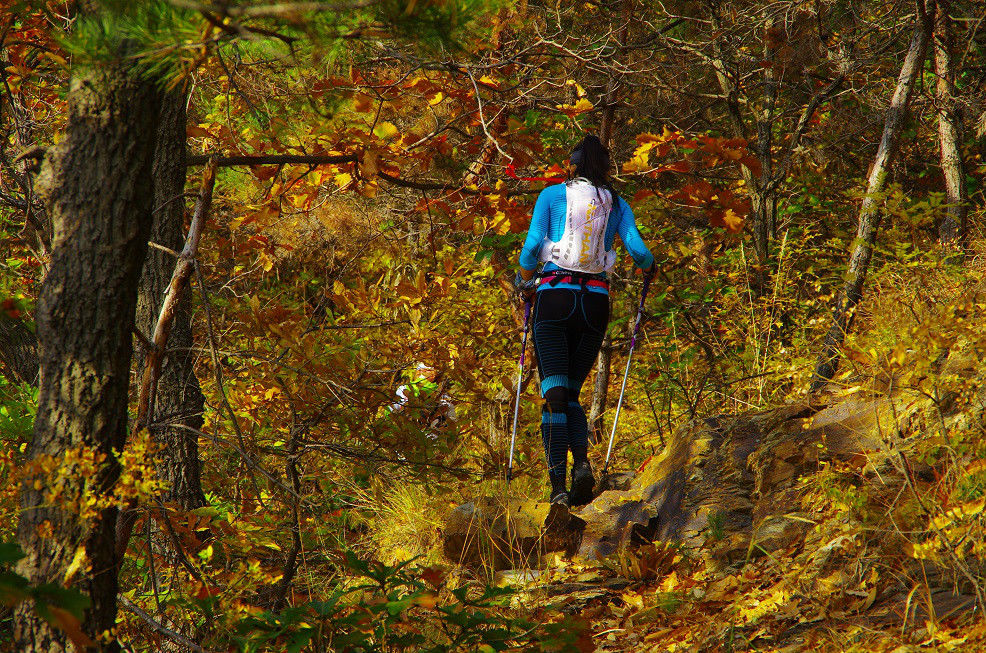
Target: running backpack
{"points": [[582, 247]]}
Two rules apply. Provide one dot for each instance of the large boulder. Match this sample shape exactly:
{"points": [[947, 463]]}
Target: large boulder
{"points": [[728, 484]]}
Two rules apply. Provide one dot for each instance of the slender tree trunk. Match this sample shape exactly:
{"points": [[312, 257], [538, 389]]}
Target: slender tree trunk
{"points": [[952, 230], [606, 124], [97, 183], [600, 391], [869, 212], [178, 401], [600, 388], [764, 199]]}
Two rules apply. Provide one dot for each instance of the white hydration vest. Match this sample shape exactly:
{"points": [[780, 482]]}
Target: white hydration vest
{"points": [[582, 247]]}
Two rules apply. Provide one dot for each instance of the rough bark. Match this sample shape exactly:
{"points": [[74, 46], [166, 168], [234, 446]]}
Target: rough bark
{"points": [[178, 400], [951, 231], [18, 351], [869, 212], [97, 183]]}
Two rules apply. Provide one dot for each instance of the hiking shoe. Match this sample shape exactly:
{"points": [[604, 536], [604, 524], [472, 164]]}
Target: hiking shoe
{"points": [[582, 484], [558, 510]]}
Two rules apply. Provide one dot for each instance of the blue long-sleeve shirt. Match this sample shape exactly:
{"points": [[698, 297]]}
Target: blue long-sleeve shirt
{"points": [[548, 220]]}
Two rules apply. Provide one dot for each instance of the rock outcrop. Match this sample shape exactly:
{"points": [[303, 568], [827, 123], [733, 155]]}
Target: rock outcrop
{"points": [[726, 485]]}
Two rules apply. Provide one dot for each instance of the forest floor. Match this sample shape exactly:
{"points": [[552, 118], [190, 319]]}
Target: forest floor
{"points": [[881, 558]]}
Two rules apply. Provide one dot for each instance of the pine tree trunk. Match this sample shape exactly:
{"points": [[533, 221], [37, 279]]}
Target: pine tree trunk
{"points": [[869, 212], [951, 231], [97, 183], [179, 400]]}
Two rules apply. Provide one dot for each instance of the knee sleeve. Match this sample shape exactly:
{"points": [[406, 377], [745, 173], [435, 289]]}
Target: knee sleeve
{"points": [[555, 407], [556, 400]]}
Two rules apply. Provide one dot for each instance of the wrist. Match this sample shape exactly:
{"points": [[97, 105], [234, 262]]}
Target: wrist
{"points": [[522, 284]]}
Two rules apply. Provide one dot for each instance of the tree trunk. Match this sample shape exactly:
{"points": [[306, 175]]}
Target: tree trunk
{"points": [[763, 218], [178, 400], [97, 183], [869, 212], [951, 231], [18, 351], [600, 390]]}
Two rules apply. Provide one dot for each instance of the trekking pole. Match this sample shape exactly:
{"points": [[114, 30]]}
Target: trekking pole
{"points": [[626, 372], [520, 377]]}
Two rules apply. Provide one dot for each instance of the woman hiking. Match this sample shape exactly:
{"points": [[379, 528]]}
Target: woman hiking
{"points": [[573, 227]]}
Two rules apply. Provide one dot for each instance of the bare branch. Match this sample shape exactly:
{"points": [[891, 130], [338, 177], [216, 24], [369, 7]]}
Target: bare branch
{"points": [[160, 628]]}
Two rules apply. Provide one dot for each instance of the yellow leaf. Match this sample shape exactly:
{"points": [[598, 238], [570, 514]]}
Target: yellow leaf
{"points": [[343, 179], [438, 97], [732, 220], [56, 58], [77, 561], [960, 512], [570, 110], [633, 599], [369, 190], [385, 130]]}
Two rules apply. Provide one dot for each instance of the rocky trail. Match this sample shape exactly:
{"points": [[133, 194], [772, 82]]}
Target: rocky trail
{"points": [[742, 534]]}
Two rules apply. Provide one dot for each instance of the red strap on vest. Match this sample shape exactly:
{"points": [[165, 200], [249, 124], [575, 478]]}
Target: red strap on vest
{"points": [[592, 283]]}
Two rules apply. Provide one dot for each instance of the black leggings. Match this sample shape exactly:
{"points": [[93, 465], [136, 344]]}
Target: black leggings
{"points": [[569, 326]]}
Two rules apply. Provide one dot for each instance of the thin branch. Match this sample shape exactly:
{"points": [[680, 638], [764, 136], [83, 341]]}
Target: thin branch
{"points": [[271, 159], [160, 628], [245, 456]]}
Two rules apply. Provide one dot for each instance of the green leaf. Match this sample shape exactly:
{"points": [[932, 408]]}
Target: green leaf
{"points": [[10, 552]]}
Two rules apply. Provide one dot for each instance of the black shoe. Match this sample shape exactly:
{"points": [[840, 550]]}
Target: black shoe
{"points": [[582, 483], [558, 514]]}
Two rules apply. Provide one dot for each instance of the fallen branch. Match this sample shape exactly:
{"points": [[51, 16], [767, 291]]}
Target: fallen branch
{"points": [[179, 281]]}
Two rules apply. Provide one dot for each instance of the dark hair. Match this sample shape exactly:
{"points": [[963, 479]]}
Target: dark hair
{"points": [[591, 160]]}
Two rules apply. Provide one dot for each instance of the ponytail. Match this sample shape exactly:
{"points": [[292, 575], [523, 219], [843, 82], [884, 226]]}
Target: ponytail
{"points": [[591, 160]]}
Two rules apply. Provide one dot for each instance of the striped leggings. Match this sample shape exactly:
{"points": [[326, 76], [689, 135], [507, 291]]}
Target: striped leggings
{"points": [[569, 326]]}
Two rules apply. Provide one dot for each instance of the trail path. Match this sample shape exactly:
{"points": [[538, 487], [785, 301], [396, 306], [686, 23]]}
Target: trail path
{"points": [[742, 534]]}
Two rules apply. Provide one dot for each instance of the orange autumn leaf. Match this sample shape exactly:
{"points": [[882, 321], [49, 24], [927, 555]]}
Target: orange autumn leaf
{"points": [[70, 625]]}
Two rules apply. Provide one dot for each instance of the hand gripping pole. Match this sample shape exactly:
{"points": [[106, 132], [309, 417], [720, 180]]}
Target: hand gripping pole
{"points": [[626, 371], [520, 378]]}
